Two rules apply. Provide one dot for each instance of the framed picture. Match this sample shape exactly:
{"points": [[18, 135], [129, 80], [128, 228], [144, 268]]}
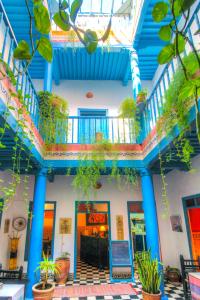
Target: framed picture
{"points": [[6, 225], [120, 227], [65, 226], [176, 223], [96, 219]]}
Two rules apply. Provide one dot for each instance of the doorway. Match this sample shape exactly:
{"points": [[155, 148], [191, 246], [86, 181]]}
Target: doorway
{"points": [[92, 236], [92, 123], [137, 231], [192, 212]]}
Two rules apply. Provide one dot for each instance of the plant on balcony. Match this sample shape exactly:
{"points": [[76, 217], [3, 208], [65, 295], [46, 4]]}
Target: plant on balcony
{"points": [[63, 265], [149, 275], [53, 117], [187, 78], [142, 96], [128, 111], [45, 289]]}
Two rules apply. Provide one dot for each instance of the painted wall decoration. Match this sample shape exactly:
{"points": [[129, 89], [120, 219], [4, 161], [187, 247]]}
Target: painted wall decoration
{"points": [[120, 227], [65, 226], [176, 223], [96, 219], [6, 225], [19, 223]]}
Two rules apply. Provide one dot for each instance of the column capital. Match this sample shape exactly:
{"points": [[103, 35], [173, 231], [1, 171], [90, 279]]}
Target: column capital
{"points": [[145, 172]]}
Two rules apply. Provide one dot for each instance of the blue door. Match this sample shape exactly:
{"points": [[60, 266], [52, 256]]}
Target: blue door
{"points": [[92, 122]]}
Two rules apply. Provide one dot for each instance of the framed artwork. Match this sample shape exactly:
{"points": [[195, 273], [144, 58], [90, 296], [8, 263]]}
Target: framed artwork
{"points": [[96, 219], [6, 225], [120, 227], [176, 223], [65, 226]]}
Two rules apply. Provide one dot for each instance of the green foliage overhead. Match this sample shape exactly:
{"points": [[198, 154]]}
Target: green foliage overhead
{"points": [[62, 20], [149, 274], [165, 33], [75, 7], [160, 11], [166, 54], [22, 52], [91, 41], [45, 48], [41, 17]]}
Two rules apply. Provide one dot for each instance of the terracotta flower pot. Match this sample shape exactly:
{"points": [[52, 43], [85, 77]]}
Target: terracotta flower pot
{"points": [[98, 185], [147, 296], [43, 294], [141, 98], [63, 265]]}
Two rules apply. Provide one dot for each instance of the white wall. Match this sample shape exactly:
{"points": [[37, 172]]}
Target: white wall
{"points": [[179, 185], [107, 94], [61, 191]]}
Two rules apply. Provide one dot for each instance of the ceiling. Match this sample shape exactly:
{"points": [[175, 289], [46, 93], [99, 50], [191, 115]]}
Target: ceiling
{"points": [[102, 65]]}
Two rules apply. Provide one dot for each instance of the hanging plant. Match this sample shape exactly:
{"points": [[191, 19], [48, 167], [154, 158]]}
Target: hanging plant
{"points": [[53, 118], [129, 112]]}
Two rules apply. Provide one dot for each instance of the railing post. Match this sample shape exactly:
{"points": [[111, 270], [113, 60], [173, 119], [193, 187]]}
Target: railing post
{"points": [[48, 76]]}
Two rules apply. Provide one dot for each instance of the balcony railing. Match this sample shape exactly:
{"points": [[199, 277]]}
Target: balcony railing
{"points": [[24, 83], [88, 130], [154, 105]]}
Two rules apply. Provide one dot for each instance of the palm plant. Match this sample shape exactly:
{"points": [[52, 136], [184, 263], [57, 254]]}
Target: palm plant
{"points": [[149, 273], [47, 266]]}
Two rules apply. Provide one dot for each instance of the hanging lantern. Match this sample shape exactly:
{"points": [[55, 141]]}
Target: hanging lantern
{"points": [[89, 95]]}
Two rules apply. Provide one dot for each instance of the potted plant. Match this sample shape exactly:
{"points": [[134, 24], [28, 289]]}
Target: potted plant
{"points": [[149, 275], [45, 289], [53, 117], [142, 96], [63, 264], [172, 274]]}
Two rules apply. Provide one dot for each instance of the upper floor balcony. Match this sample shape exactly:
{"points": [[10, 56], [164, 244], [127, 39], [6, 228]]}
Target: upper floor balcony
{"points": [[120, 62]]}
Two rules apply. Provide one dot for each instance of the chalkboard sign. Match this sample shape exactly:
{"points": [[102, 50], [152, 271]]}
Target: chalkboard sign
{"points": [[120, 253]]}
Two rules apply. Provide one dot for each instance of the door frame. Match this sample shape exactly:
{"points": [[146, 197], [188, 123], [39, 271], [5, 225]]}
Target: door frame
{"points": [[28, 230], [185, 209], [75, 228]]}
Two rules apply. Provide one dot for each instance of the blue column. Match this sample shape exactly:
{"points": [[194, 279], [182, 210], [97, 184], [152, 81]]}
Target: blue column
{"points": [[135, 73], [36, 235], [150, 215], [48, 76]]}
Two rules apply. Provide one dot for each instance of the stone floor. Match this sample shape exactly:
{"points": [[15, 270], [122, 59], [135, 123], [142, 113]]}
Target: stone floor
{"points": [[89, 275]]}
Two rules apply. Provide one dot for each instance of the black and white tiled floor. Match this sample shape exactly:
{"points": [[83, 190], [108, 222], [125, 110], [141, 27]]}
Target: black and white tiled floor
{"points": [[89, 275]]}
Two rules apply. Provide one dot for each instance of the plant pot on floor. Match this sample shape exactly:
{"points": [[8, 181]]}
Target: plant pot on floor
{"points": [[147, 296], [63, 265], [40, 294]]}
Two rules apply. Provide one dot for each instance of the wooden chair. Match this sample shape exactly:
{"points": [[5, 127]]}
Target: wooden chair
{"points": [[187, 266]]}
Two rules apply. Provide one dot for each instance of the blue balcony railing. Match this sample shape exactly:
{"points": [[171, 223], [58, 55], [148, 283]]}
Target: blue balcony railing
{"points": [[24, 83], [154, 105], [87, 130]]}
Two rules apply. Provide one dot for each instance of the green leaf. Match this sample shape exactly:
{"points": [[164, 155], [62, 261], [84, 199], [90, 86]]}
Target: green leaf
{"points": [[181, 44], [165, 33], [178, 7], [107, 32], [187, 91], [197, 32], [166, 54], [62, 20], [2, 146], [22, 51], [64, 5], [91, 41], [45, 48], [160, 11], [76, 5], [42, 20], [187, 4]]}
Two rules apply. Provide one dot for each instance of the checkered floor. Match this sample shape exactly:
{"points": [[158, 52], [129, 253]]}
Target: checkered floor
{"points": [[89, 275]]}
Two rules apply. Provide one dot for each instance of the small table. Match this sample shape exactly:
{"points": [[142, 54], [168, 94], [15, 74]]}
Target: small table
{"points": [[12, 292], [194, 281]]}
